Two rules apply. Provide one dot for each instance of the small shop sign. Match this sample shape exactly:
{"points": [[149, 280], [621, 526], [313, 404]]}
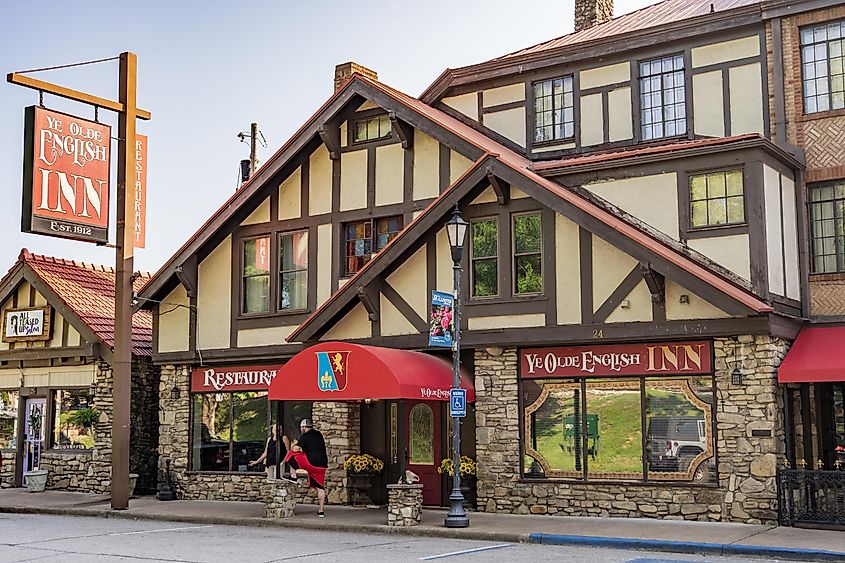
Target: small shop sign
{"points": [[66, 176], [240, 378], [652, 358], [32, 324]]}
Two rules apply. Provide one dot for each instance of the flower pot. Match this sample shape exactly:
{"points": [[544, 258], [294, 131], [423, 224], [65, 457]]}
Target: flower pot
{"points": [[360, 485], [36, 481], [133, 480], [468, 490]]}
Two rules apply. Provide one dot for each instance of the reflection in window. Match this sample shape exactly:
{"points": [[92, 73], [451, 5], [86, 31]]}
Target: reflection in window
{"points": [[527, 254], [229, 430], [662, 98], [8, 419], [370, 129], [554, 113], [421, 430], [484, 245], [823, 67], [361, 241], [614, 438], [256, 275], [827, 227], [74, 418], [717, 199], [293, 270]]}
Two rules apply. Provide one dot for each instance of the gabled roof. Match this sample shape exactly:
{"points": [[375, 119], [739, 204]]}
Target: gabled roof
{"points": [[80, 290]]}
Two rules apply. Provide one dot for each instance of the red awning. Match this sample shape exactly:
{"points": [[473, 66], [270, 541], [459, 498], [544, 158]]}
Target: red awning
{"points": [[817, 356], [339, 371]]}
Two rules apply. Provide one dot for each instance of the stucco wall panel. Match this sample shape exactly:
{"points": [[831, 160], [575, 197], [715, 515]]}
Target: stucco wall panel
{"points": [[620, 122], [774, 233], [610, 267], [393, 322], [260, 215], [592, 119], [732, 252], [319, 182], [637, 309], [356, 324], [695, 308], [389, 174], [651, 199], [270, 336], [509, 123], [214, 297], [504, 95], [726, 51], [290, 196], [324, 263], [746, 99], [406, 280], [173, 325], [353, 180], [458, 164], [467, 104], [604, 75], [708, 105], [426, 166], [506, 321], [567, 271]]}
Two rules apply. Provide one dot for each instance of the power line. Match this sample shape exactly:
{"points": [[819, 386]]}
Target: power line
{"points": [[67, 65]]}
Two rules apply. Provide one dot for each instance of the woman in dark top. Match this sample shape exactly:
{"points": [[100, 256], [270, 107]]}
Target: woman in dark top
{"points": [[309, 454], [268, 456]]}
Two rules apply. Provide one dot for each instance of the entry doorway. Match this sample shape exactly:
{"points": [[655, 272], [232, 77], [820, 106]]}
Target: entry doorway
{"points": [[33, 433], [424, 429]]}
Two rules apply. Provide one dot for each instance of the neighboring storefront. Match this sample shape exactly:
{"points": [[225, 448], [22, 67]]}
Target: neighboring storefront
{"points": [[56, 379]]}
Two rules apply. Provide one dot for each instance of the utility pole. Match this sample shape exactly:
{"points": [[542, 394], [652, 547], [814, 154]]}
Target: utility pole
{"points": [[253, 150]]}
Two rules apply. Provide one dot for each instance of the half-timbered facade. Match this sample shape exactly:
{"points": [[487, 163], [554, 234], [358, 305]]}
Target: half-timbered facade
{"points": [[635, 271]]}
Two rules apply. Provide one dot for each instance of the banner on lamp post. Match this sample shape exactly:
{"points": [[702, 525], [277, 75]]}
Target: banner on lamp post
{"points": [[440, 323]]}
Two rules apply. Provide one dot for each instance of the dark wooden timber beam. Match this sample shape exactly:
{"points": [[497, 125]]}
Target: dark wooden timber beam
{"points": [[330, 135], [402, 130], [86, 350], [501, 188], [188, 274], [369, 297], [656, 283]]}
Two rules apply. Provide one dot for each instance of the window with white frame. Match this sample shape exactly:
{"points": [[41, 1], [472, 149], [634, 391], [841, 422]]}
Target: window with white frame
{"points": [[662, 98], [822, 65]]}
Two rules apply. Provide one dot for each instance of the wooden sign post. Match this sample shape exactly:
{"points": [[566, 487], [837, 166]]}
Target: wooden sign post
{"points": [[128, 112]]}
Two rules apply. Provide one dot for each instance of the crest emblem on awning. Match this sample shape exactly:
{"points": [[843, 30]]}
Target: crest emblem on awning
{"points": [[332, 370]]}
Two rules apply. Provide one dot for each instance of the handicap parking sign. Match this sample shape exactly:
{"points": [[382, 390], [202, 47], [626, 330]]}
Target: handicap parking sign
{"points": [[457, 402]]}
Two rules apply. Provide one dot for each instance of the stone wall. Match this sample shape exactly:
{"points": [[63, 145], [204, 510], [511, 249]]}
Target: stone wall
{"points": [[340, 424], [7, 468], [746, 485], [143, 440]]}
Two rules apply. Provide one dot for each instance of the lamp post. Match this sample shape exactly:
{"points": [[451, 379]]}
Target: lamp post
{"points": [[456, 229]]}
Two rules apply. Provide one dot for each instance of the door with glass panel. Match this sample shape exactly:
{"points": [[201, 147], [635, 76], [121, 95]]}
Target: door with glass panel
{"points": [[33, 443], [424, 447]]}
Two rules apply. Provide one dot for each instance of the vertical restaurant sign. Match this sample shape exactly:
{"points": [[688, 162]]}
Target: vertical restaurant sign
{"points": [[139, 192], [262, 254], [440, 323], [66, 176]]}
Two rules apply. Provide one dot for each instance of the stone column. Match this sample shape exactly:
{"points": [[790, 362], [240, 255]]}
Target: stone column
{"points": [[340, 424], [174, 423], [404, 505], [280, 497]]}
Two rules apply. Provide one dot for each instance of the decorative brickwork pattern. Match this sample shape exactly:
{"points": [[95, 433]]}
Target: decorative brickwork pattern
{"points": [[746, 471], [827, 298]]}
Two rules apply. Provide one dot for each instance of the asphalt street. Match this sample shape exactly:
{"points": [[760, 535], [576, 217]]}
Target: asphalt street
{"points": [[72, 539]]}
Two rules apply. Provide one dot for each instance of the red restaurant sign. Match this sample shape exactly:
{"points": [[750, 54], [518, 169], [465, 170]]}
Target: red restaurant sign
{"points": [[240, 378], [613, 360], [66, 176]]}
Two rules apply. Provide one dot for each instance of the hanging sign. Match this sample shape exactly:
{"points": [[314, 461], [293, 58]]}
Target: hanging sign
{"points": [[240, 378], [66, 176], [26, 324], [652, 358], [139, 193], [440, 325]]}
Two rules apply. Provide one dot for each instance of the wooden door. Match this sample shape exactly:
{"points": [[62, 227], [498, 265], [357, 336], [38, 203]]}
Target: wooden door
{"points": [[424, 447]]}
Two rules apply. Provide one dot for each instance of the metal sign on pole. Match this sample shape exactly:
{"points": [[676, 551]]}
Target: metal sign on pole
{"points": [[128, 112], [457, 403]]}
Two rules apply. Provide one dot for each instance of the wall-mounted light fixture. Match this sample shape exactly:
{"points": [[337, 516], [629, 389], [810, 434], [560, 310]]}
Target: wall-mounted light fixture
{"points": [[736, 377], [92, 389], [175, 393], [684, 298]]}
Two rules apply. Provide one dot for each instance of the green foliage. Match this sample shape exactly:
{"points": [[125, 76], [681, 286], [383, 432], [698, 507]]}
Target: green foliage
{"points": [[83, 418]]}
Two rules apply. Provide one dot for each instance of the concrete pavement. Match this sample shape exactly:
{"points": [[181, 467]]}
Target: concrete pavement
{"points": [[629, 533]]}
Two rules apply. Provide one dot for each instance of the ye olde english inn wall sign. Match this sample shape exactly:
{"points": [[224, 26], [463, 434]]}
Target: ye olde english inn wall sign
{"points": [[66, 176]]}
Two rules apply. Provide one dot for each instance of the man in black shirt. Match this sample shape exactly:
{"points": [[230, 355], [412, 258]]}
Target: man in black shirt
{"points": [[310, 454]]}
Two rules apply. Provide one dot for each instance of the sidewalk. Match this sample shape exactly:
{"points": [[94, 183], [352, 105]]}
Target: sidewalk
{"points": [[624, 533]]}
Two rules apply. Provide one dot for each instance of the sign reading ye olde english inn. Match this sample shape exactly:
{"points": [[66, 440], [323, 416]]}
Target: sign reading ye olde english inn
{"points": [[66, 176], [659, 358]]}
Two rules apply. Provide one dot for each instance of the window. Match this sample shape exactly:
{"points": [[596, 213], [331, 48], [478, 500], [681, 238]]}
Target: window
{"points": [[361, 241], [662, 98], [293, 271], [716, 199], [827, 227], [554, 115], [822, 67], [256, 275], [421, 431], [74, 418], [527, 254], [484, 251], [371, 129], [592, 429], [229, 430], [8, 419]]}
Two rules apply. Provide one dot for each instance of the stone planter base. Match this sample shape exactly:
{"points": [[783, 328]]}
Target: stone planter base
{"points": [[280, 500], [36, 481], [404, 505]]}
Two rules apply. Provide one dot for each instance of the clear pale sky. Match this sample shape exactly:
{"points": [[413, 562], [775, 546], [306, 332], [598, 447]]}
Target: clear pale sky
{"points": [[208, 69]]}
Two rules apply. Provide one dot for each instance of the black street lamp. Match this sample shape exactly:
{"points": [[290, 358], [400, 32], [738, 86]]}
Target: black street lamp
{"points": [[456, 229]]}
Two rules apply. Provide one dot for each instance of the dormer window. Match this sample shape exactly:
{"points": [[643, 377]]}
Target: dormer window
{"points": [[554, 113], [370, 129]]}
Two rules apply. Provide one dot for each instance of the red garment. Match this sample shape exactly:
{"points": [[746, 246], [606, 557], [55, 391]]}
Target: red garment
{"points": [[316, 475]]}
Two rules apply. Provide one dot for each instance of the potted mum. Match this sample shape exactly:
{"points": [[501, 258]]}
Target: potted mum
{"points": [[467, 473], [362, 469]]}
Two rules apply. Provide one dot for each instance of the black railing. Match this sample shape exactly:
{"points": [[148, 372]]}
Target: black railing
{"points": [[811, 497]]}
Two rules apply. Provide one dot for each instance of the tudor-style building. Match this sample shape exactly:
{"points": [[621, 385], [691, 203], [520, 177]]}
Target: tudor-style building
{"points": [[56, 377], [635, 272]]}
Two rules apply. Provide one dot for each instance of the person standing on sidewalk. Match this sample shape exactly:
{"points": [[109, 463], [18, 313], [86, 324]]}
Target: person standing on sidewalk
{"points": [[268, 456], [309, 454]]}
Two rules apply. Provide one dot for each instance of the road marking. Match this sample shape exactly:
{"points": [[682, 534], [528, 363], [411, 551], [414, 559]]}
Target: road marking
{"points": [[465, 551], [159, 530]]}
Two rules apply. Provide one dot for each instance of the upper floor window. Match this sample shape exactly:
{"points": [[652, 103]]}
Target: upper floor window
{"points": [[484, 255], [822, 65], [827, 227], [361, 239], [256, 275], [716, 199], [527, 254], [371, 129], [554, 114], [293, 271], [662, 98]]}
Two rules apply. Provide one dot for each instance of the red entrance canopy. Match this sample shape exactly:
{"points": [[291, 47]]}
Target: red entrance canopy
{"points": [[340, 371], [817, 356]]}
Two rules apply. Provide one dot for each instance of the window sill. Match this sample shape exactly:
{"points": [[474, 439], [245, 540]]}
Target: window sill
{"points": [[261, 474], [633, 482], [717, 231], [527, 298], [822, 114], [68, 451], [828, 276], [285, 313]]}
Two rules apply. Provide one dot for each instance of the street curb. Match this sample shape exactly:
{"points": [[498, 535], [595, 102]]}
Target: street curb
{"points": [[700, 548]]}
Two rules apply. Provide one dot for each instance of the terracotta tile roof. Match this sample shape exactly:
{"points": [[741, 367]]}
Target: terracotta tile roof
{"points": [[655, 15], [88, 290]]}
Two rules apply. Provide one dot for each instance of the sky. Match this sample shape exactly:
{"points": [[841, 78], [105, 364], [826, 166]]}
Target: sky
{"points": [[206, 70]]}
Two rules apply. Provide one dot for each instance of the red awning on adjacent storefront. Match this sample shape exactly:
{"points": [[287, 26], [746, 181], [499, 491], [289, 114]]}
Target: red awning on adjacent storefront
{"points": [[339, 371], [817, 356]]}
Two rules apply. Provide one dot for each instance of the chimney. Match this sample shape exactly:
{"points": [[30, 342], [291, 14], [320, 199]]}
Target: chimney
{"points": [[592, 12], [342, 72]]}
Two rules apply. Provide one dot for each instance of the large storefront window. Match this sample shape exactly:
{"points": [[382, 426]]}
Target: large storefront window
{"points": [[74, 418], [618, 427], [8, 419], [229, 430]]}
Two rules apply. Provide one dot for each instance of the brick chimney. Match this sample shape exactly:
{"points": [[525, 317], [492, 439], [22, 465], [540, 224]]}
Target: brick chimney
{"points": [[342, 72], [592, 12]]}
